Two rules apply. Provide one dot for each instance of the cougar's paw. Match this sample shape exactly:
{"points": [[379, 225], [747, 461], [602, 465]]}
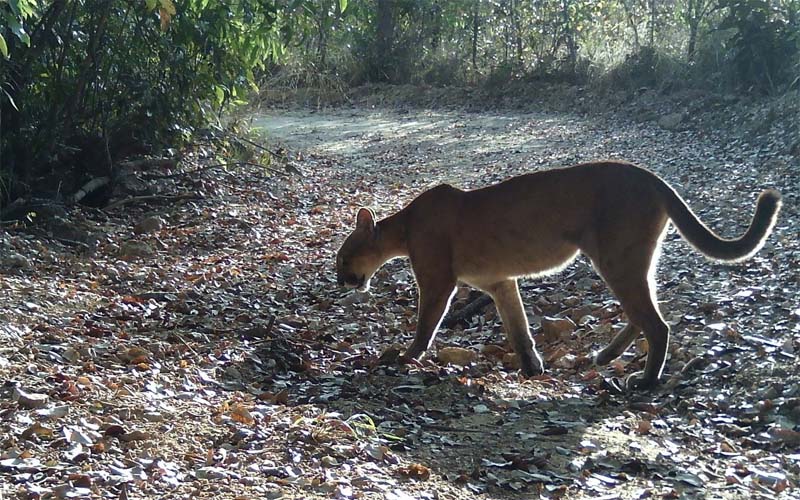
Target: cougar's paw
{"points": [[410, 357], [638, 382], [533, 367], [601, 358]]}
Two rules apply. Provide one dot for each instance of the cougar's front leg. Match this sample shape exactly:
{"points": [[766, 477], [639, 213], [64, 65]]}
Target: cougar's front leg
{"points": [[509, 305], [436, 288]]}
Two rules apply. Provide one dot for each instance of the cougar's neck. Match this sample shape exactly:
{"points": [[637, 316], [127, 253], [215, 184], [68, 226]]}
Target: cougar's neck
{"points": [[392, 235]]}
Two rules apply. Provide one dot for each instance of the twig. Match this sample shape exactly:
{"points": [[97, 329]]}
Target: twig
{"points": [[149, 163], [183, 341], [447, 428], [153, 197], [67, 241], [211, 167], [254, 144]]}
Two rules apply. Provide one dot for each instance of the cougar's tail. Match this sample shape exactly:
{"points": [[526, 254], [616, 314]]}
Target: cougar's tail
{"points": [[708, 243]]}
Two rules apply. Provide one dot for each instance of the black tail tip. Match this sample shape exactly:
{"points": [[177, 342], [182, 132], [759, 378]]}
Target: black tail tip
{"points": [[770, 198]]}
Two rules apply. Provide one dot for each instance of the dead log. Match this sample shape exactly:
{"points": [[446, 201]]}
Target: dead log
{"points": [[90, 187], [149, 163], [236, 164], [467, 312], [153, 197]]}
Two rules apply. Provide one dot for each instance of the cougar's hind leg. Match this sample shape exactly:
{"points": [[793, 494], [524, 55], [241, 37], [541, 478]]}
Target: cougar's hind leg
{"points": [[627, 263], [642, 312], [618, 345]]}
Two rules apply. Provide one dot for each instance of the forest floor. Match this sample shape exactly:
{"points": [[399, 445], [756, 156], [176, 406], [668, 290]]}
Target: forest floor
{"points": [[200, 348]]}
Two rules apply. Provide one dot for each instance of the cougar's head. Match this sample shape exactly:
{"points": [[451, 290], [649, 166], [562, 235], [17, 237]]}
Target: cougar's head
{"points": [[359, 256]]}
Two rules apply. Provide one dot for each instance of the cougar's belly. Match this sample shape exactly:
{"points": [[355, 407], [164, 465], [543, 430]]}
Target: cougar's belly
{"points": [[486, 264]]}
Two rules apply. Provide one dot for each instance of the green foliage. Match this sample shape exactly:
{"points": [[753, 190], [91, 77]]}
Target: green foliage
{"points": [[14, 14], [765, 40], [493, 41], [96, 80]]}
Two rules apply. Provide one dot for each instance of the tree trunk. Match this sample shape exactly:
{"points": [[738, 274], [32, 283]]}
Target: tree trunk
{"points": [[517, 30], [322, 43], [653, 16], [384, 39], [475, 37], [692, 47], [569, 36], [632, 24]]}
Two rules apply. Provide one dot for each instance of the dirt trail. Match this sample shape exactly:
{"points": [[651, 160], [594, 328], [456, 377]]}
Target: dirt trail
{"points": [[671, 444], [213, 356]]}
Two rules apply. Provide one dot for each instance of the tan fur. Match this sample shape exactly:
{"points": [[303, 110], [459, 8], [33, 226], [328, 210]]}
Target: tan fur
{"points": [[614, 212]]}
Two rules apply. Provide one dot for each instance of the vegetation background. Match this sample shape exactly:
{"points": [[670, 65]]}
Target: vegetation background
{"points": [[86, 83]]}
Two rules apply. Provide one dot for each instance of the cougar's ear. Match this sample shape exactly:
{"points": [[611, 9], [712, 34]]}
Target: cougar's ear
{"points": [[365, 219]]}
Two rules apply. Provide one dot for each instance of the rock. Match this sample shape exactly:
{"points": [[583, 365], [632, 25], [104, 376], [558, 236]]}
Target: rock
{"points": [[511, 361], [29, 401], [154, 416], [557, 328], [493, 351], [794, 149], [128, 184], [356, 297], [576, 313], [671, 121], [456, 356], [566, 360], [15, 261], [64, 229], [134, 249], [147, 225], [273, 493], [212, 473], [328, 461], [71, 355], [33, 210]]}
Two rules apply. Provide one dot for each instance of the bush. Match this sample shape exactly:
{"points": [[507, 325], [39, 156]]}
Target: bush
{"points": [[763, 42], [103, 79], [648, 68]]}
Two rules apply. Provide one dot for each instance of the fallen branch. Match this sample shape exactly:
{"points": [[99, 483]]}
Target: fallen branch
{"points": [[69, 242], [153, 197], [149, 163], [150, 177], [467, 312], [254, 144], [90, 187], [65, 241]]}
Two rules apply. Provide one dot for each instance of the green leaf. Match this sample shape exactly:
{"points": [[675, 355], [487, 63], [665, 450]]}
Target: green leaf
{"points": [[14, 5], [8, 96], [151, 4], [342, 6], [168, 6], [3, 47]]}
